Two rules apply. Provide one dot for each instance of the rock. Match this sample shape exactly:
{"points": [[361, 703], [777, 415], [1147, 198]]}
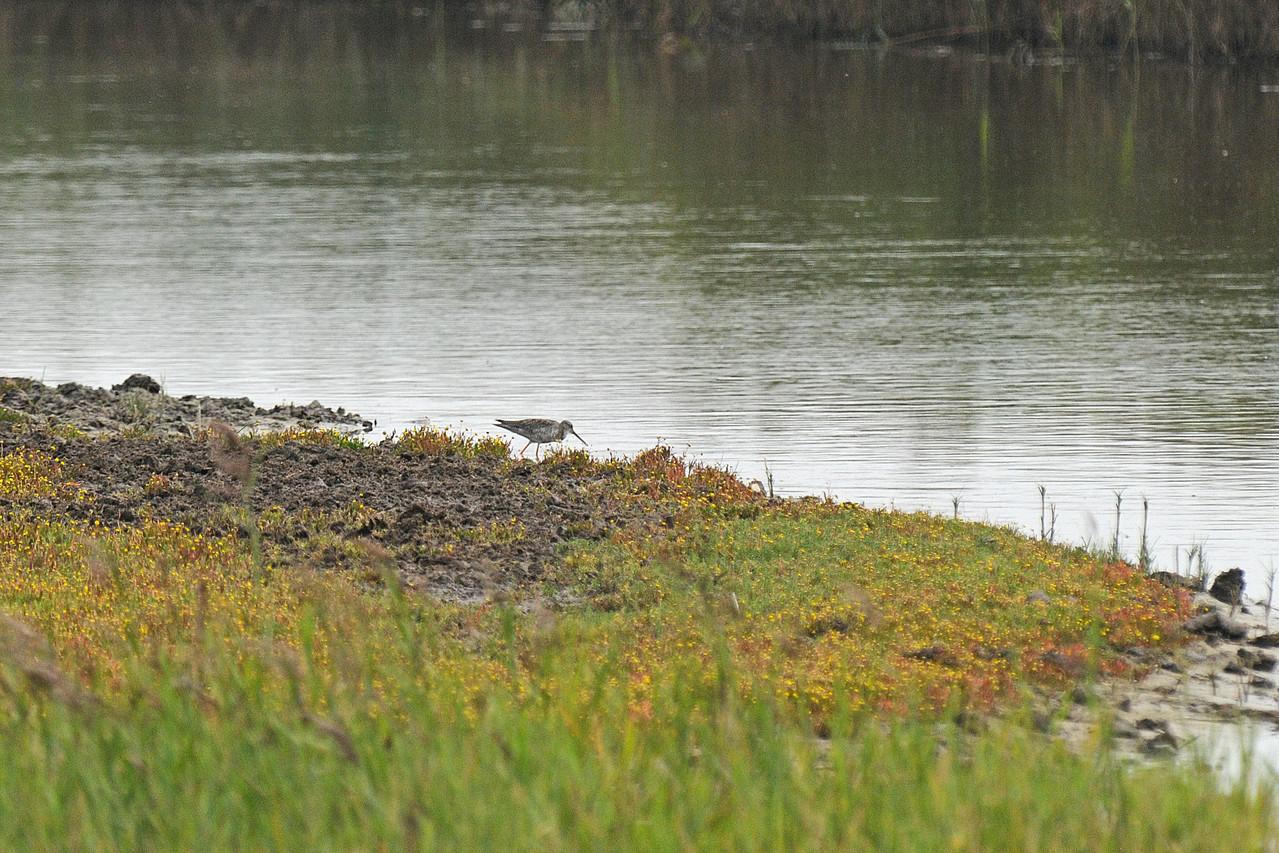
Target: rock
{"points": [[1202, 602], [1038, 597], [1259, 661], [1178, 581], [1215, 623], [138, 380], [1156, 736], [1228, 586], [1139, 654], [1162, 744]]}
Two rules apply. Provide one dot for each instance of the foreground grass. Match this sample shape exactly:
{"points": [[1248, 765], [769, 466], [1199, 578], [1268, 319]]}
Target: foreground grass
{"points": [[237, 771], [735, 675]]}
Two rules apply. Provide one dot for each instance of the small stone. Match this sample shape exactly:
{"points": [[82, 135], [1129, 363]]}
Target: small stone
{"points": [[1214, 623], [1038, 597], [1195, 655], [1162, 744], [1178, 581], [1259, 661], [1203, 602]]}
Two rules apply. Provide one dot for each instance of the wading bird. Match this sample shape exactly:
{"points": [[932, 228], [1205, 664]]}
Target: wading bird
{"points": [[539, 431]]}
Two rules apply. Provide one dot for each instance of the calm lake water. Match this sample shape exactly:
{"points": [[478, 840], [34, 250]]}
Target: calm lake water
{"points": [[900, 279]]}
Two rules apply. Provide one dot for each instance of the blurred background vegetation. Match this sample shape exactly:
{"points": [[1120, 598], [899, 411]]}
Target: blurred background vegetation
{"points": [[1195, 30]]}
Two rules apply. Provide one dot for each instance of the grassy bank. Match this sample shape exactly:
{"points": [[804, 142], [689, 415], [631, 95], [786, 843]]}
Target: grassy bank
{"points": [[723, 673]]}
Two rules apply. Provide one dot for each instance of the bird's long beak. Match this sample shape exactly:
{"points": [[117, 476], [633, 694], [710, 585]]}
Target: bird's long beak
{"points": [[579, 438]]}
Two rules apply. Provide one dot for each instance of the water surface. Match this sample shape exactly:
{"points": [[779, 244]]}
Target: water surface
{"points": [[900, 279]]}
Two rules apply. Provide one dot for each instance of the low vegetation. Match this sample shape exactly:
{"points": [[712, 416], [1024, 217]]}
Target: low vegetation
{"points": [[725, 672]]}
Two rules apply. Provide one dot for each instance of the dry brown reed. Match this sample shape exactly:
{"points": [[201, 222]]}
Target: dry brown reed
{"points": [[26, 653]]}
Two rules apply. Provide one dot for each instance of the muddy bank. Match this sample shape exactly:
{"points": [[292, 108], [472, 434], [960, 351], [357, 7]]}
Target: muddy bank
{"points": [[139, 405], [462, 527], [452, 526]]}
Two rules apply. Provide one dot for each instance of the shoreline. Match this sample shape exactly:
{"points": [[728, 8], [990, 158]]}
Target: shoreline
{"points": [[139, 404], [1224, 672]]}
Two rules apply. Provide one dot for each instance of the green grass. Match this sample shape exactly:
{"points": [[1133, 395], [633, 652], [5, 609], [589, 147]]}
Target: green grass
{"points": [[433, 440], [824, 604], [260, 755], [730, 675]]}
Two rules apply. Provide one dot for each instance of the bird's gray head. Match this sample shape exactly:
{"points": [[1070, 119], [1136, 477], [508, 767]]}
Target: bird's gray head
{"points": [[567, 427]]}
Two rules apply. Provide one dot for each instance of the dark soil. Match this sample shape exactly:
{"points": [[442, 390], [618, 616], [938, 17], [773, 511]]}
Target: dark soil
{"points": [[433, 517]]}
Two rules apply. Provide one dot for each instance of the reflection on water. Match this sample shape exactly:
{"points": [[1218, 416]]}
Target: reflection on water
{"points": [[902, 280]]}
